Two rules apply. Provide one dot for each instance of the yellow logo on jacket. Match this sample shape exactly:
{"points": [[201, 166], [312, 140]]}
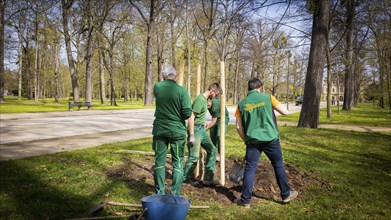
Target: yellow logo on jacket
{"points": [[249, 107]]}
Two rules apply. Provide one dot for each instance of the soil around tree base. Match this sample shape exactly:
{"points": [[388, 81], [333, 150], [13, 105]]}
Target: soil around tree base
{"points": [[138, 172]]}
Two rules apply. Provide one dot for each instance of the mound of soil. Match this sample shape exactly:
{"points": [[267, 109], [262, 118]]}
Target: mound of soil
{"points": [[138, 172]]}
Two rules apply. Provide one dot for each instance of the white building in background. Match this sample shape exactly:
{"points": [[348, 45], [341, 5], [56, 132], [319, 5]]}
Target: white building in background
{"points": [[335, 95]]}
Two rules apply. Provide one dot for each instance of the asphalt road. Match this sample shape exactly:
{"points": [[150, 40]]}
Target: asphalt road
{"points": [[31, 134]]}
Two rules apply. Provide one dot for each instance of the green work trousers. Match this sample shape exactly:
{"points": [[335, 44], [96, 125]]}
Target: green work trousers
{"points": [[177, 147], [201, 139], [215, 135]]}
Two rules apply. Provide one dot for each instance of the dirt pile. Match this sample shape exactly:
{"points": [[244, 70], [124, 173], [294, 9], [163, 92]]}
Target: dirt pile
{"points": [[138, 172]]}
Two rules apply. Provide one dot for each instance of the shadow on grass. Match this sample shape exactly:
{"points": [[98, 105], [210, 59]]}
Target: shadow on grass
{"points": [[28, 197], [29, 192]]}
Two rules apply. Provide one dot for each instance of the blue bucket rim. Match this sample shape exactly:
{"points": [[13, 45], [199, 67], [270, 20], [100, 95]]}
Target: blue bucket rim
{"points": [[143, 200]]}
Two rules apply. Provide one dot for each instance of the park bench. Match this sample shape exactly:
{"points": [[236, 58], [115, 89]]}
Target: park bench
{"points": [[79, 105]]}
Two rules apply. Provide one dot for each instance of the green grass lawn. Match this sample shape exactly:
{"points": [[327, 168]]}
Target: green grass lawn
{"points": [[13, 105], [356, 167], [365, 114]]}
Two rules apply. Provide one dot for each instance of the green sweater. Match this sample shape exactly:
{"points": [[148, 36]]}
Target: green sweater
{"points": [[172, 109], [200, 106], [215, 111], [257, 118]]}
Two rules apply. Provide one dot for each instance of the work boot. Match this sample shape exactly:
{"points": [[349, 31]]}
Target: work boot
{"points": [[291, 196], [211, 183], [192, 182], [240, 202]]}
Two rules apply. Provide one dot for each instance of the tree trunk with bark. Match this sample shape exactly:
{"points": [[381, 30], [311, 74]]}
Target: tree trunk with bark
{"points": [[148, 96], [66, 5], [348, 92], [36, 59], [2, 24], [309, 115], [236, 82], [113, 101], [56, 70], [20, 60], [89, 52], [102, 81], [329, 82], [206, 63]]}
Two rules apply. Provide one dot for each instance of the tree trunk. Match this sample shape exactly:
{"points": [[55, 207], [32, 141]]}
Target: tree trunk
{"points": [[102, 82], [148, 97], [2, 24], [309, 115], [113, 101], [66, 5], [388, 76], [276, 71], [20, 72], [188, 49], [348, 93], [173, 44], [36, 60], [236, 94], [357, 81], [56, 71], [89, 52], [329, 83], [125, 86], [338, 99], [160, 50], [206, 48]]}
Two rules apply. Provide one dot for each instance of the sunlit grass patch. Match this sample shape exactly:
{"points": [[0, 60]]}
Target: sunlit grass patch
{"points": [[354, 165], [13, 105], [365, 114]]}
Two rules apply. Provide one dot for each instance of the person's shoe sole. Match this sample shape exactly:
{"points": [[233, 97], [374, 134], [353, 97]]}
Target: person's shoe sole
{"points": [[240, 203], [291, 197]]}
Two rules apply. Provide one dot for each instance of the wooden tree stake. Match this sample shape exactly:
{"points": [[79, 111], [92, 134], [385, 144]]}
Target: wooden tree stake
{"points": [[180, 72], [198, 91], [222, 124]]}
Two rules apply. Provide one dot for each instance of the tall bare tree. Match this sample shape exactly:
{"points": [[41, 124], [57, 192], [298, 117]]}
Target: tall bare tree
{"points": [[309, 115], [155, 8], [2, 24], [379, 23], [36, 60], [112, 34], [89, 51], [206, 23], [348, 93], [66, 6]]}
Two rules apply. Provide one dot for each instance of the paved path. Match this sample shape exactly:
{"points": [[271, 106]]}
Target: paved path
{"points": [[32, 134]]}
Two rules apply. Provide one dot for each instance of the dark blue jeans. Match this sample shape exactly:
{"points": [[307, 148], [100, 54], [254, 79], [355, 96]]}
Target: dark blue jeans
{"points": [[273, 152]]}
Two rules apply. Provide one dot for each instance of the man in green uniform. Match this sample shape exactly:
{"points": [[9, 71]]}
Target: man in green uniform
{"points": [[258, 129], [169, 128], [214, 125], [199, 137]]}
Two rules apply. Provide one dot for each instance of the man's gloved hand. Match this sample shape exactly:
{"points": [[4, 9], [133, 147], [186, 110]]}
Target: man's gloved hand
{"points": [[191, 139]]}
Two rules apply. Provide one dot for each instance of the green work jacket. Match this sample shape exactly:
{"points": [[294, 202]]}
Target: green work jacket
{"points": [[172, 109], [200, 106], [257, 118]]}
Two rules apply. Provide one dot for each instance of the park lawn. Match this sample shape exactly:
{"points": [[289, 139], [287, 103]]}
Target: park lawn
{"points": [[356, 167], [13, 105], [365, 114]]}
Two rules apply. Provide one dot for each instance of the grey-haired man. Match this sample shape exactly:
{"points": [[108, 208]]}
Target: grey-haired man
{"points": [[169, 129]]}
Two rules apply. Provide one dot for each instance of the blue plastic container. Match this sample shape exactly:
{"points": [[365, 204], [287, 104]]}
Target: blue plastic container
{"points": [[165, 207]]}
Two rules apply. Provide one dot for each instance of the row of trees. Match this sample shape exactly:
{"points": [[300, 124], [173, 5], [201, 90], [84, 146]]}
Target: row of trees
{"points": [[98, 49], [354, 36]]}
